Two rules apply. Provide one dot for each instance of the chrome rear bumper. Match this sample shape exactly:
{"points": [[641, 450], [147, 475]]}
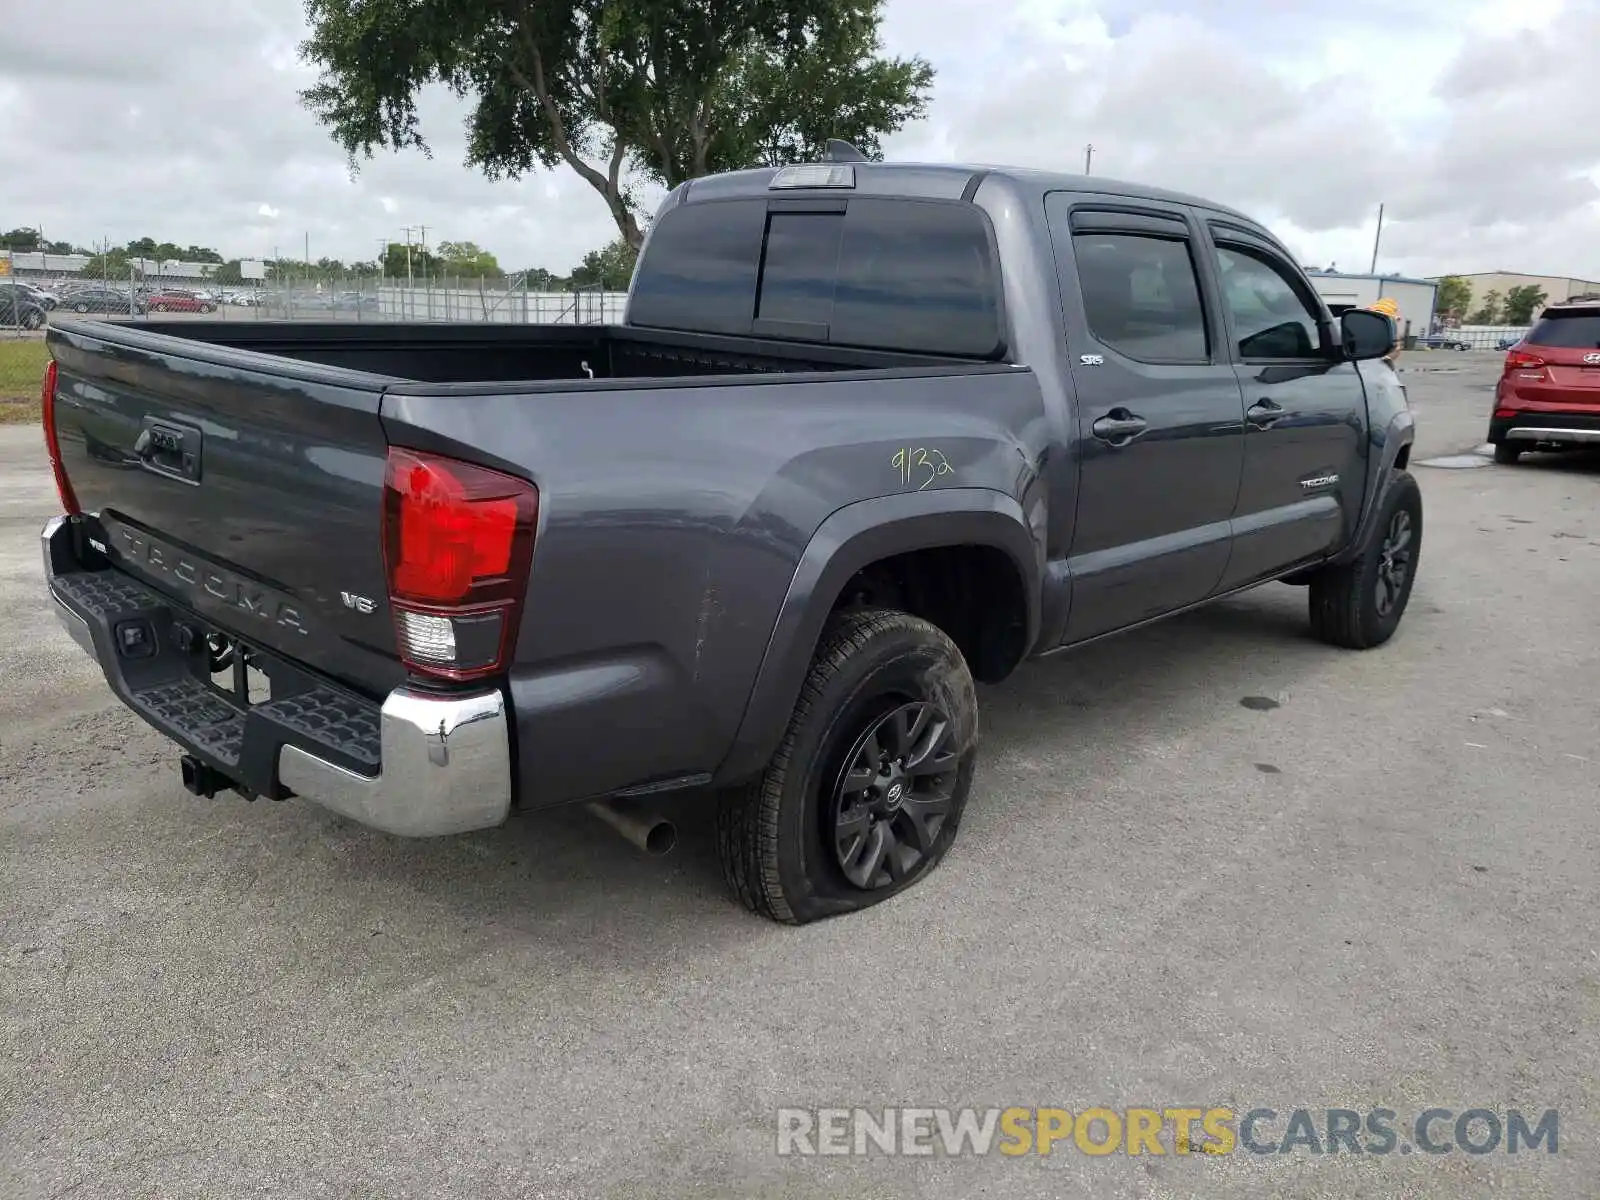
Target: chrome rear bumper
{"points": [[444, 760]]}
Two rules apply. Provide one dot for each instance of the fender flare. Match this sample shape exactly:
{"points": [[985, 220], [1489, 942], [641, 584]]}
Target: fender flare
{"points": [[1400, 432], [851, 538]]}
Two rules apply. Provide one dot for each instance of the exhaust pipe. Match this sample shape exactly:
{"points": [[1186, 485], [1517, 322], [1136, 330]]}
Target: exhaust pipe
{"points": [[648, 830]]}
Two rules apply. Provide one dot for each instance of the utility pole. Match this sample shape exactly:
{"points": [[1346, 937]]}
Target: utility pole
{"points": [[411, 299], [427, 276], [1088, 158], [1376, 238]]}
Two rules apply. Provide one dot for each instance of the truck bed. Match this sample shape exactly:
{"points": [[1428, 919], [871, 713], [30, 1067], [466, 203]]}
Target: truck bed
{"points": [[440, 353]]}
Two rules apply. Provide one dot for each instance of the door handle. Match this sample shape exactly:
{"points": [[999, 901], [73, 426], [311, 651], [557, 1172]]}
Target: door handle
{"points": [[1263, 413], [1119, 427]]}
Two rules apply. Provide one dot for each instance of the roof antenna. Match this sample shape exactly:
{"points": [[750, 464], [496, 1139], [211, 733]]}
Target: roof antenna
{"points": [[840, 150]]}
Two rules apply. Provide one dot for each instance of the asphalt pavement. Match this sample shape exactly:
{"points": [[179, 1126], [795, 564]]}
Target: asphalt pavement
{"points": [[1209, 864]]}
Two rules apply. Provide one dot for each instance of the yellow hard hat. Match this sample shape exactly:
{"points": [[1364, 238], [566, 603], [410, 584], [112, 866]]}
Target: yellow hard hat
{"points": [[1387, 307]]}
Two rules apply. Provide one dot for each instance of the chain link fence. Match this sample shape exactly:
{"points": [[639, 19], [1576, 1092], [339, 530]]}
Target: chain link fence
{"points": [[1482, 337], [26, 304]]}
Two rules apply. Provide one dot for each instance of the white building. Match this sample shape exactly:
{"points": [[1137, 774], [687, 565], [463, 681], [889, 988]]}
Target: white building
{"points": [[35, 264], [1415, 297]]}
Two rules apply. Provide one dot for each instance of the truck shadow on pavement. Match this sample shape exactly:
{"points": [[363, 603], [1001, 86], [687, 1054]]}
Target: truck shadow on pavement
{"points": [[546, 870]]}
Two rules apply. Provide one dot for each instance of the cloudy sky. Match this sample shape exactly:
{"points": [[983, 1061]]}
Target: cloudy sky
{"points": [[1476, 122]]}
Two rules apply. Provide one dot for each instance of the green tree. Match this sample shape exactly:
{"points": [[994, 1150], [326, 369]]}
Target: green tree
{"points": [[422, 263], [466, 258], [1455, 296], [23, 240], [228, 273], [1521, 302], [672, 88], [610, 267], [538, 279], [1488, 312], [113, 265]]}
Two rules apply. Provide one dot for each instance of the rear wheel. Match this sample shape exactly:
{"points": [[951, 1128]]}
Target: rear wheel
{"points": [[1507, 453], [80, 308], [1359, 604], [865, 793]]}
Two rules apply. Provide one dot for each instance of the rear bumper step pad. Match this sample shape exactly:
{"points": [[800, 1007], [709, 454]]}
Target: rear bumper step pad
{"points": [[419, 764]]}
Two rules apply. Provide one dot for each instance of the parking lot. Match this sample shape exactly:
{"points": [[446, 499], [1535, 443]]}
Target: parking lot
{"points": [[1211, 863]]}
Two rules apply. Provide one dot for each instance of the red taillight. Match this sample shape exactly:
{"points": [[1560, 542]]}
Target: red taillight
{"points": [[52, 443], [1521, 360], [458, 543]]}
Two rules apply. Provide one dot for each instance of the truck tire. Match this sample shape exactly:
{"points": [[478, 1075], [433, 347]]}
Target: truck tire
{"points": [[1359, 604], [865, 793], [1507, 453]]}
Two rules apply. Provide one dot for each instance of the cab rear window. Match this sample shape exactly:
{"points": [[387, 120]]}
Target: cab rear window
{"points": [[1567, 330], [882, 274]]}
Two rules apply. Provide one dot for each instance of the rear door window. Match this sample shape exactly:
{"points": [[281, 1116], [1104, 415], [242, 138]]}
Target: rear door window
{"points": [[1141, 296], [1567, 331]]}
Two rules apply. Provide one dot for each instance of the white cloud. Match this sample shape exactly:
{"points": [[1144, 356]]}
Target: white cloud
{"points": [[1474, 121]]}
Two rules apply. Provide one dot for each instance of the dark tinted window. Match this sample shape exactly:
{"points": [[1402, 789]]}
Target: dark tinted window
{"points": [[699, 270], [1270, 318], [1570, 331], [887, 274], [1141, 297], [801, 267], [918, 277]]}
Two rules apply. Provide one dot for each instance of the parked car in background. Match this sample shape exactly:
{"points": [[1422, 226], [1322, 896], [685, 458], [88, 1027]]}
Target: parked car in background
{"points": [[102, 300], [46, 300], [1548, 397], [1506, 343], [180, 300], [18, 310], [1443, 341], [355, 302]]}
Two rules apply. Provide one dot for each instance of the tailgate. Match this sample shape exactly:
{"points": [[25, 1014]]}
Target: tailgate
{"points": [[246, 487], [1573, 385]]}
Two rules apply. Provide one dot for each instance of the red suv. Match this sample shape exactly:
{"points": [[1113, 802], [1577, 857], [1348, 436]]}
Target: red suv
{"points": [[1549, 392]]}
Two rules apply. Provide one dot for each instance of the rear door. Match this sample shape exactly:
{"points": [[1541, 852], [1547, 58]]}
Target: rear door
{"points": [[1160, 436], [1304, 409], [246, 487]]}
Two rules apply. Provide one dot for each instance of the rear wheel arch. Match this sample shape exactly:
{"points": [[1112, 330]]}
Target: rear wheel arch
{"points": [[963, 559]]}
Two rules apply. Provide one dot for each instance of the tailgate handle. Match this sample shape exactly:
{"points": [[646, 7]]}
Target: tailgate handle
{"points": [[168, 449]]}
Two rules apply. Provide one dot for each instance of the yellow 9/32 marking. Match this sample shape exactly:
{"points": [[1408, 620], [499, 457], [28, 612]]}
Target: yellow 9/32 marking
{"points": [[919, 465]]}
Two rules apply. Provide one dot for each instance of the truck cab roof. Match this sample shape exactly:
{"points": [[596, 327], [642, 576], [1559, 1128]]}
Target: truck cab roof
{"points": [[932, 181]]}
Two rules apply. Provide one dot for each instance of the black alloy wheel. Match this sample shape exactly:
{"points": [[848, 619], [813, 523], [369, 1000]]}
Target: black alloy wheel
{"points": [[893, 794], [1394, 562], [863, 796]]}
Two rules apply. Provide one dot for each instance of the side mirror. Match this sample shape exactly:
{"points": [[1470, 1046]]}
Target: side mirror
{"points": [[1365, 334]]}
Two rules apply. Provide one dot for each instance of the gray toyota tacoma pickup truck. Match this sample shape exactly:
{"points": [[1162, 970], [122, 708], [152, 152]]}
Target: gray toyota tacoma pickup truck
{"points": [[867, 433]]}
